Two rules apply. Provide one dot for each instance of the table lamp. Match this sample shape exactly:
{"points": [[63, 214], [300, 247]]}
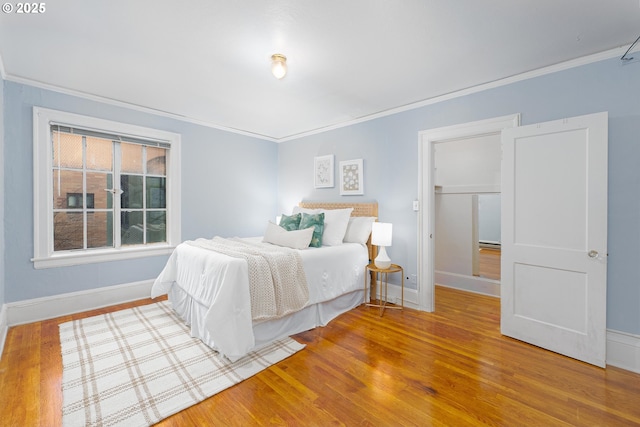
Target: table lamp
{"points": [[381, 237]]}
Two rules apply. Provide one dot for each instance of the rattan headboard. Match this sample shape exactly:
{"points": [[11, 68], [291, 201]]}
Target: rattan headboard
{"points": [[359, 209]]}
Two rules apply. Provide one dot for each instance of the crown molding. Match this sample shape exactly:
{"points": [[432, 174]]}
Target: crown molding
{"points": [[589, 59], [130, 106]]}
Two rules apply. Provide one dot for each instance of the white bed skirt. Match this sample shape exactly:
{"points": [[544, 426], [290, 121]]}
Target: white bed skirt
{"points": [[310, 317]]}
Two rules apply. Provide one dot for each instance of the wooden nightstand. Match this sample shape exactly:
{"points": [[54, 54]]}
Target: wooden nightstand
{"points": [[383, 273]]}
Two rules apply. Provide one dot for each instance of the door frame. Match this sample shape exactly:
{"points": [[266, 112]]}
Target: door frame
{"points": [[426, 193]]}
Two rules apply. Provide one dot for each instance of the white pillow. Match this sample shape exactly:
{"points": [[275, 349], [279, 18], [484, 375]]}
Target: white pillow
{"points": [[335, 223], [359, 229], [297, 239]]}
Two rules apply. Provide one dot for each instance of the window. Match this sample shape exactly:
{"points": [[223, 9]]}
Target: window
{"points": [[74, 200], [103, 190]]}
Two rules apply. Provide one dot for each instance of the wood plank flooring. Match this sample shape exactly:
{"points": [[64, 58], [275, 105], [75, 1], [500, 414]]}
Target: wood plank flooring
{"points": [[490, 263], [408, 368]]}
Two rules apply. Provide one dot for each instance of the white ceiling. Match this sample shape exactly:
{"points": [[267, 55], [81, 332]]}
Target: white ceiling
{"points": [[209, 60]]}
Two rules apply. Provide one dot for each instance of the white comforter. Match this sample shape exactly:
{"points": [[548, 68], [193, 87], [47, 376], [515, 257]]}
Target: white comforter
{"points": [[277, 283], [220, 284]]}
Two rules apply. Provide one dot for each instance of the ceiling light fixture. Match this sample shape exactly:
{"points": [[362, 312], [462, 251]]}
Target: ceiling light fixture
{"points": [[278, 65]]}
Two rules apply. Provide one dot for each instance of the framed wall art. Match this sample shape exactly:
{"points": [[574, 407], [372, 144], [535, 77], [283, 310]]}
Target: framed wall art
{"points": [[351, 177], [323, 171]]}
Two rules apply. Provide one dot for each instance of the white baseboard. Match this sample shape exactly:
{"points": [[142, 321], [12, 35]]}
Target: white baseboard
{"points": [[623, 350], [37, 309], [394, 295], [478, 285]]}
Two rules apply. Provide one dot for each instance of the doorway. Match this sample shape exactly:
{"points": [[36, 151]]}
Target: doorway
{"points": [[467, 179], [554, 258], [437, 139]]}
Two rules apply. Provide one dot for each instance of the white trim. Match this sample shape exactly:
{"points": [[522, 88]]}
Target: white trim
{"points": [[100, 255], [477, 285], [426, 192], [585, 60], [467, 189], [134, 107], [394, 295], [3, 73], [4, 327], [37, 309], [44, 256], [623, 350]]}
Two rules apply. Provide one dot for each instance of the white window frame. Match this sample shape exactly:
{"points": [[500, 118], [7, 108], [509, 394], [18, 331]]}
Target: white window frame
{"points": [[44, 255]]}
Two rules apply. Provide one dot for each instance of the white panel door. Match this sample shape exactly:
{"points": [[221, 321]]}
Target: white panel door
{"points": [[554, 236]]}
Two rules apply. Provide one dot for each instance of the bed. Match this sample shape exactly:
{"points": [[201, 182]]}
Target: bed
{"points": [[210, 290]]}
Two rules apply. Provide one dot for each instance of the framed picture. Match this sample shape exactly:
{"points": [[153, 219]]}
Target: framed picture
{"points": [[351, 177], [323, 171]]}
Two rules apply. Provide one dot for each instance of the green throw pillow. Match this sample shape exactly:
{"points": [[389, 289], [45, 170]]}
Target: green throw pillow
{"points": [[290, 223], [317, 222]]}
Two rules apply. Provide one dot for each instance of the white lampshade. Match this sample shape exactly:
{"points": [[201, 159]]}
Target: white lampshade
{"points": [[381, 236], [381, 233]]}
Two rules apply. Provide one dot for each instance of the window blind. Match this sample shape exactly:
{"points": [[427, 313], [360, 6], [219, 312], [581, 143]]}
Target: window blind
{"points": [[111, 136]]}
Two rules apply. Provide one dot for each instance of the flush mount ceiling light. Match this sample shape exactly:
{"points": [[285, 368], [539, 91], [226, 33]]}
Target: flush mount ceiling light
{"points": [[278, 65]]}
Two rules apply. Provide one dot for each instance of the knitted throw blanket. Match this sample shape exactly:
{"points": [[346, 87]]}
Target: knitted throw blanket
{"points": [[277, 283]]}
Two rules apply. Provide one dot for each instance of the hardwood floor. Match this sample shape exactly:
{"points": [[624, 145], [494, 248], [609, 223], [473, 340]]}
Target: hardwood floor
{"points": [[448, 368], [490, 263]]}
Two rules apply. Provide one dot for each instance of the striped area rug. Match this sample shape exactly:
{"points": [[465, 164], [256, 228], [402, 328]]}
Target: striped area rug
{"points": [[136, 367]]}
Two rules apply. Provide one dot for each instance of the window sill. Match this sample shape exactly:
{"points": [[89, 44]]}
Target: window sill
{"points": [[100, 255]]}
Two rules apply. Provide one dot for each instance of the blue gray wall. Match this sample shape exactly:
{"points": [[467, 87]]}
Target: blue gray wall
{"points": [[232, 184], [389, 147], [229, 187]]}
